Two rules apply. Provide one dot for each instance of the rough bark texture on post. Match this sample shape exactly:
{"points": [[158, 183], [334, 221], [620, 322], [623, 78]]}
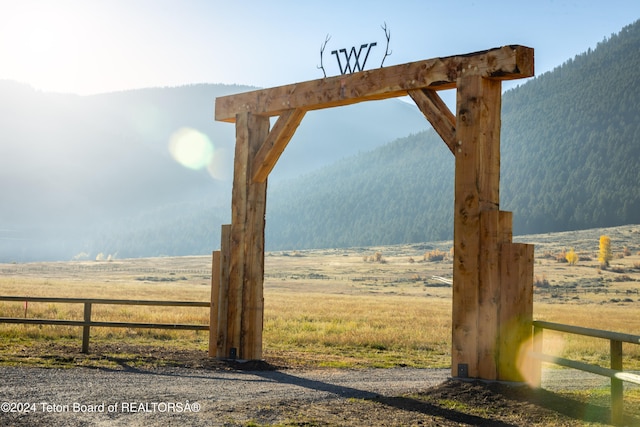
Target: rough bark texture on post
{"points": [[246, 269], [477, 179], [492, 277]]}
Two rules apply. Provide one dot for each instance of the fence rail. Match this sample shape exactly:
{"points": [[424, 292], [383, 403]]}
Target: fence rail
{"points": [[87, 323], [616, 373]]}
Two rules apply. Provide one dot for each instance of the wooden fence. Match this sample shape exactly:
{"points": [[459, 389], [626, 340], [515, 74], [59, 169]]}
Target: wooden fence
{"points": [[87, 324], [616, 373]]}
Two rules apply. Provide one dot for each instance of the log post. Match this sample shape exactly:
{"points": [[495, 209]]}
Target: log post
{"points": [[477, 180], [222, 349], [492, 277], [246, 263]]}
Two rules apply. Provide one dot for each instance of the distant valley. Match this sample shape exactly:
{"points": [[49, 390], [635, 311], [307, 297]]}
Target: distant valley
{"points": [[100, 175], [85, 175]]}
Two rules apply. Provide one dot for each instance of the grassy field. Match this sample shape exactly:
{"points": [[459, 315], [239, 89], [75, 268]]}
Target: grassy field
{"points": [[358, 307]]}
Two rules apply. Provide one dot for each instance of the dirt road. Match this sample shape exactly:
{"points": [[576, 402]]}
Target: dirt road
{"points": [[79, 397], [202, 397]]}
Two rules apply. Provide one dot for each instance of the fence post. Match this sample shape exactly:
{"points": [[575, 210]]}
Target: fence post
{"points": [[86, 329], [617, 390], [536, 364]]}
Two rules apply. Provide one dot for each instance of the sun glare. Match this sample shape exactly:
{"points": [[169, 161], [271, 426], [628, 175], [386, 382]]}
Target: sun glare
{"points": [[42, 44]]}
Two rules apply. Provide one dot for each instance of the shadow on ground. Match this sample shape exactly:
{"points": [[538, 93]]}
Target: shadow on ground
{"points": [[453, 402]]}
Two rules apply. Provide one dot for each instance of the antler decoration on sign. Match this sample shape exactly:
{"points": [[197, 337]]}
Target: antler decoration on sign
{"points": [[353, 58], [321, 67], [387, 34]]}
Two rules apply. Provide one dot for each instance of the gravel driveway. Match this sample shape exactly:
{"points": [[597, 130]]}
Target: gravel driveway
{"points": [[179, 396], [201, 397]]}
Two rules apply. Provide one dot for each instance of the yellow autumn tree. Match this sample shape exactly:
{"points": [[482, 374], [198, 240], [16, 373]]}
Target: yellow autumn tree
{"points": [[572, 257], [605, 254]]}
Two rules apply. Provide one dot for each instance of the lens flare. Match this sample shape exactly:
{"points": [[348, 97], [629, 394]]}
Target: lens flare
{"points": [[191, 148], [529, 369], [219, 166]]}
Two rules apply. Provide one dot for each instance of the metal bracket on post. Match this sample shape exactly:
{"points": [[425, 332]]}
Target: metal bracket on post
{"points": [[463, 370]]}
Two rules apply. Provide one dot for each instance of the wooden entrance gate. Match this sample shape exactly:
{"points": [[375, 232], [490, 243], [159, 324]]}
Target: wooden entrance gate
{"points": [[492, 276]]}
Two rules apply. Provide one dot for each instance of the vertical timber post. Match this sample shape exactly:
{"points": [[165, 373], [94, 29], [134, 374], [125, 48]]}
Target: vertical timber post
{"points": [[246, 263], [492, 277], [223, 293], [477, 180], [215, 302]]}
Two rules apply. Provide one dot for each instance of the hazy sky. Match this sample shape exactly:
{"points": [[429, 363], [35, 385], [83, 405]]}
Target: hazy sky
{"points": [[94, 46]]}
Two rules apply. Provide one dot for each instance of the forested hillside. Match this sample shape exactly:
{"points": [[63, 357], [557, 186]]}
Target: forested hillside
{"points": [[570, 160], [571, 141], [402, 192]]}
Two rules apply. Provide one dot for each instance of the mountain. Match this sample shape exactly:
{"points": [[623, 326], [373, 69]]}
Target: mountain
{"points": [[131, 172], [401, 192], [571, 150], [147, 172], [570, 159]]}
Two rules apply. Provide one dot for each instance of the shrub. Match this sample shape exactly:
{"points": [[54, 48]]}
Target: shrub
{"points": [[571, 257], [605, 255], [377, 257], [434, 255]]}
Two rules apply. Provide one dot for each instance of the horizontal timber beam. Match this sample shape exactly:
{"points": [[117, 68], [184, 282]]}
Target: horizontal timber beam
{"points": [[504, 63]]}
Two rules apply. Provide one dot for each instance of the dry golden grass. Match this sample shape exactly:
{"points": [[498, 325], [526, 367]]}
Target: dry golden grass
{"points": [[167, 279], [359, 330], [331, 308]]}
